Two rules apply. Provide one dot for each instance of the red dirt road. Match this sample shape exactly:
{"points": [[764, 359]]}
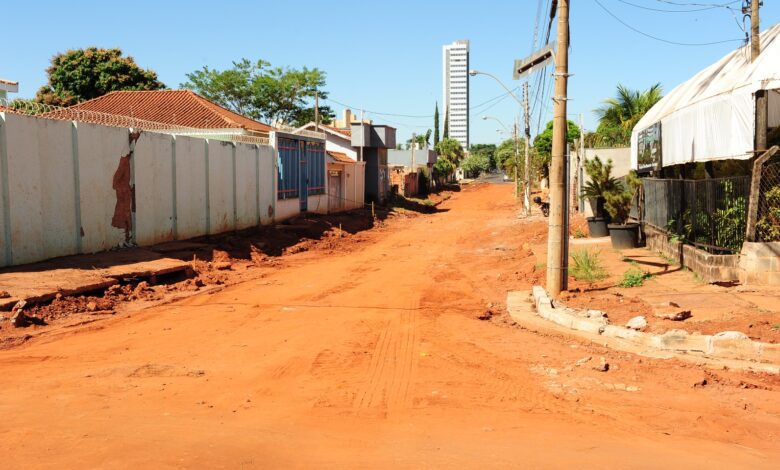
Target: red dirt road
{"points": [[373, 356]]}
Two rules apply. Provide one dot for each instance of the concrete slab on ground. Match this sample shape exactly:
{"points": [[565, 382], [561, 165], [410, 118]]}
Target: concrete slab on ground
{"points": [[73, 275]]}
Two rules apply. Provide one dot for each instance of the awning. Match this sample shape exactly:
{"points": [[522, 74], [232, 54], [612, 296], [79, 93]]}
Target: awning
{"points": [[712, 115]]}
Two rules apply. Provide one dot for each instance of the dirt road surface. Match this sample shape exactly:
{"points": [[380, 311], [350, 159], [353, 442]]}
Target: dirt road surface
{"points": [[393, 352]]}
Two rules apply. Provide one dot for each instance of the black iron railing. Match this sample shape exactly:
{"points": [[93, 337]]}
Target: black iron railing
{"points": [[710, 214]]}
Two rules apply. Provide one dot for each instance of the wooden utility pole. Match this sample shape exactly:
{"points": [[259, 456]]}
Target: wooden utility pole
{"points": [[755, 39], [527, 166], [762, 97], [517, 157], [556, 238]]}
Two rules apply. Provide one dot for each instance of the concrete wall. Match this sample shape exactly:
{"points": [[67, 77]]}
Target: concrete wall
{"points": [[69, 188], [621, 165], [340, 144], [760, 263], [422, 157]]}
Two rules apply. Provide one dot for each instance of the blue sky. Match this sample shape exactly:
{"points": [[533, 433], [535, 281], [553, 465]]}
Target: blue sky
{"points": [[382, 56]]}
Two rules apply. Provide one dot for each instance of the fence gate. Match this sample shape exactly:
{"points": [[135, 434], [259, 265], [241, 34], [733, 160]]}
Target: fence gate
{"points": [[334, 190]]}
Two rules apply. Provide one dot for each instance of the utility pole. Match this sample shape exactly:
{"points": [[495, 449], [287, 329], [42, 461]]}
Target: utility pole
{"points": [[755, 39], [517, 157], [527, 166], [317, 111], [556, 238], [762, 97], [578, 167]]}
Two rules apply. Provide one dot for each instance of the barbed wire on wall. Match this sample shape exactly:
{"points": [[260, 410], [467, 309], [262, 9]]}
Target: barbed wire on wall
{"points": [[46, 111]]}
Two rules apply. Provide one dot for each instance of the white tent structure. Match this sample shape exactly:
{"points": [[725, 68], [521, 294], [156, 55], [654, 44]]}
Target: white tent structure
{"points": [[712, 116]]}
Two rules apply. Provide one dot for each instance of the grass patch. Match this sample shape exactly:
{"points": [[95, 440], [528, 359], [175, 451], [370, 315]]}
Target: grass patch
{"points": [[634, 277], [579, 233], [776, 326], [587, 266], [540, 266]]}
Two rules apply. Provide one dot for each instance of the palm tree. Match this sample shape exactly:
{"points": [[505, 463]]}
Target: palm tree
{"points": [[618, 116]]}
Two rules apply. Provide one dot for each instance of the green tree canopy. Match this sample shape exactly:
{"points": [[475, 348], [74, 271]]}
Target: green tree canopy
{"points": [[618, 115], [259, 91], [487, 150], [475, 164], [436, 136], [450, 155], [78, 75], [543, 145]]}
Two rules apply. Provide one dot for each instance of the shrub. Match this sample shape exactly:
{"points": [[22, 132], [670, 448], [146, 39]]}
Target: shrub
{"points": [[587, 266], [634, 277], [579, 233]]}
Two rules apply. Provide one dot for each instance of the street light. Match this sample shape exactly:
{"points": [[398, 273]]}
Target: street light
{"points": [[498, 121], [474, 73], [527, 182]]}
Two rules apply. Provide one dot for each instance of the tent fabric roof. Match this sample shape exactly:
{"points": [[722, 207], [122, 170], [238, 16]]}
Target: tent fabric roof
{"points": [[178, 107], [707, 117]]}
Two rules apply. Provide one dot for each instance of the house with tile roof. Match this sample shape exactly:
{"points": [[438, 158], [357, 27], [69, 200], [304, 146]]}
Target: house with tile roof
{"points": [[178, 108], [337, 139], [7, 86]]}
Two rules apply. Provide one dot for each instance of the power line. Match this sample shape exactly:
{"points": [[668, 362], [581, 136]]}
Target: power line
{"points": [[662, 10], [413, 116], [675, 43]]}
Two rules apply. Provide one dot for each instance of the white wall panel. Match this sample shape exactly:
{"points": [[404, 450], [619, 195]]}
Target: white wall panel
{"points": [[220, 186], [100, 151], [191, 195], [153, 162], [246, 186]]}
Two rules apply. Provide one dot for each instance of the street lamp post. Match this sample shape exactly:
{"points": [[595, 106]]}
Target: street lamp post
{"points": [[527, 179]]}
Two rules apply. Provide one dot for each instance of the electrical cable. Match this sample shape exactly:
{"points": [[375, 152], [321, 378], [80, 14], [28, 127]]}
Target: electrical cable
{"points": [[675, 43], [702, 8]]}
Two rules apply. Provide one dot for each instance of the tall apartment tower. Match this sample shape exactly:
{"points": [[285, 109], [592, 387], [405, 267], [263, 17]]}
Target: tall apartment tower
{"points": [[455, 72]]}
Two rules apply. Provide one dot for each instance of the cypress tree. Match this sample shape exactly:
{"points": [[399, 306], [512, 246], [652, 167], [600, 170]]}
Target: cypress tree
{"points": [[447, 124], [436, 126]]}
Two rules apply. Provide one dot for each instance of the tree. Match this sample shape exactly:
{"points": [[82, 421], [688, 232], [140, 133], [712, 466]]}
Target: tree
{"points": [[543, 146], [487, 150], [475, 164], [446, 132], [423, 140], [436, 126], [259, 91], [618, 115], [78, 75], [450, 155], [505, 157]]}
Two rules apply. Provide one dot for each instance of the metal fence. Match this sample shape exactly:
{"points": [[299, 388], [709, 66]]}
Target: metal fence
{"points": [[710, 214], [768, 221]]}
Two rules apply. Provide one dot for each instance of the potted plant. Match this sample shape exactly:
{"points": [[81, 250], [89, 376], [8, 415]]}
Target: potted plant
{"points": [[617, 202], [600, 182]]}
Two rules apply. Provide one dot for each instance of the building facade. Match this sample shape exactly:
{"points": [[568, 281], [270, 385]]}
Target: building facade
{"points": [[455, 88]]}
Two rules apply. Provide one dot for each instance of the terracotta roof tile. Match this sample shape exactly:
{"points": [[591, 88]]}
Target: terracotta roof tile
{"points": [[340, 157], [345, 132], [178, 107]]}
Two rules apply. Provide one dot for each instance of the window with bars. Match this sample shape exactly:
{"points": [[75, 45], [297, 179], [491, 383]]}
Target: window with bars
{"points": [[315, 164], [289, 169]]}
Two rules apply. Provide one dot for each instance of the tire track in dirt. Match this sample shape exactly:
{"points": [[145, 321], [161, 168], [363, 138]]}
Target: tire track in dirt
{"points": [[392, 366]]}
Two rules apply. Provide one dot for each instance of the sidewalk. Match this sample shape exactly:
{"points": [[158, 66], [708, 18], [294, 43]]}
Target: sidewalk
{"points": [[754, 311]]}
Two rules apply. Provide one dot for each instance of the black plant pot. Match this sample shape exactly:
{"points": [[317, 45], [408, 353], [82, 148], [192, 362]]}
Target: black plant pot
{"points": [[597, 227], [624, 236]]}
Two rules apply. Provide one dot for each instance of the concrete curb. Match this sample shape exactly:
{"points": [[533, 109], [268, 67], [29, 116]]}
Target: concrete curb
{"points": [[731, 345]]}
